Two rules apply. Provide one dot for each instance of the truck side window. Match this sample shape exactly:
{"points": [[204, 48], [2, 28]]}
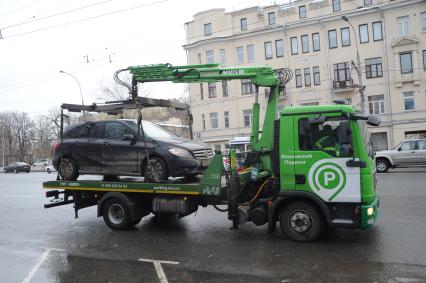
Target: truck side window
{"points": [[326, 137]]}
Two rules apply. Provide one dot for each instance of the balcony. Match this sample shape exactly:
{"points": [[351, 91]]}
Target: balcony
{"points": [[343, 86]]}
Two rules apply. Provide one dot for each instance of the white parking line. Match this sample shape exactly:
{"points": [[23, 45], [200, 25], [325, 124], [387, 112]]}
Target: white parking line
{"points": [[158, 268], [39, 262]]}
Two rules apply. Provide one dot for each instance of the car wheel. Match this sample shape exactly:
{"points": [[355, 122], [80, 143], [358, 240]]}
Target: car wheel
{"points": [[16, 170], [382, 165], [116, 214], [302, 222], [68, 169], [48, 170], [155, 170]]}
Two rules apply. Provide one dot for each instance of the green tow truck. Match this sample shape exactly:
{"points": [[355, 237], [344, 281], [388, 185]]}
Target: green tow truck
{"points": [[309, 168]]}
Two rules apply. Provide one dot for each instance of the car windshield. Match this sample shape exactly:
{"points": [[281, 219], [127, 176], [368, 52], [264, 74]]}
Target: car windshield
{"points": [[151, 130]]}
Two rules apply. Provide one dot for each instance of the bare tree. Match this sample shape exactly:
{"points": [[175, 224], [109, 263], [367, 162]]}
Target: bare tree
{"points": [[44, 134], [22, 131]]}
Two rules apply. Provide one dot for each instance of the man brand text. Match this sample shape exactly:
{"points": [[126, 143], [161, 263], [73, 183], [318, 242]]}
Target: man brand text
{"points": [[232, 72]]}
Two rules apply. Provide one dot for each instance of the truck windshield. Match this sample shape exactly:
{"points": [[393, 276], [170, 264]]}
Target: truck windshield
{"points": [[366, 138], [151, 130]]}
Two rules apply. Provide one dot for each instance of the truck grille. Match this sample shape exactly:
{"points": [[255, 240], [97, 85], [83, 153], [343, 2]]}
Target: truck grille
{"points": [[203, 153]]}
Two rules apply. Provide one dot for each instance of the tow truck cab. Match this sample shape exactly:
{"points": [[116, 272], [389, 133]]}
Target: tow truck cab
{"points": [[325, 157]]}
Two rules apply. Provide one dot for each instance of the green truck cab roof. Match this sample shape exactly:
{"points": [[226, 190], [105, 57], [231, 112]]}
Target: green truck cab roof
{"points": [[295, 110]]}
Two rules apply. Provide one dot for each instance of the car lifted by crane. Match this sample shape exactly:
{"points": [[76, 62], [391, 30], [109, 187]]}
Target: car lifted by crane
{"points": [[310, 167]]}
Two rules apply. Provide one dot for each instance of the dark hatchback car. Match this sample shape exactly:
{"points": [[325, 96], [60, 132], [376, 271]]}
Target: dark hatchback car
{"points": [[17, 167], [117, 147]]}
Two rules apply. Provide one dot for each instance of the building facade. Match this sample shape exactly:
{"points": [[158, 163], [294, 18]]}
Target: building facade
{"points": [[335, 48]]}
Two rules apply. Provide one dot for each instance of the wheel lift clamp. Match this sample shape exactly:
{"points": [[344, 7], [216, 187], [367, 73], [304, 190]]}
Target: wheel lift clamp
{"points": [[210, 183]]}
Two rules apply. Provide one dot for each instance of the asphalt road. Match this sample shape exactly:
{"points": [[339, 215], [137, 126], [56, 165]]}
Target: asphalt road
{"points": [[38, 245]]}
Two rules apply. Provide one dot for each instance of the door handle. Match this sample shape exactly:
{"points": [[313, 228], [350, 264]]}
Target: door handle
{"points": [[106, 143], [413, 151]]}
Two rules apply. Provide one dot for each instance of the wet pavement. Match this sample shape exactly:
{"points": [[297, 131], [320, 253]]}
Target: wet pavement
{"points": [[38, 245]]}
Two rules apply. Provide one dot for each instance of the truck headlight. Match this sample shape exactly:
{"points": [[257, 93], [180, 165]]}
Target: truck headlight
{"points": [[180, 152], [370, 211]]}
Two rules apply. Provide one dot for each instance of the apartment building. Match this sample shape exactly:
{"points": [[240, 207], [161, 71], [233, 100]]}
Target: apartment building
{"points": [[320, 41]]}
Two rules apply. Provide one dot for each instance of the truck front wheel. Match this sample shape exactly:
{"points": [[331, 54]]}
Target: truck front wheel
{"points": [[301, 222], [116, 214]]}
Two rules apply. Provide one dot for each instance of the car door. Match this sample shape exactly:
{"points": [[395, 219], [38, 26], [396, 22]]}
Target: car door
{"points": [[119, 156], [86, 148], [321, 158], [421, 152], [406, 153]]}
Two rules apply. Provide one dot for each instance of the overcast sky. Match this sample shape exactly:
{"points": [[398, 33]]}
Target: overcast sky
{"points": [[41, 37]]}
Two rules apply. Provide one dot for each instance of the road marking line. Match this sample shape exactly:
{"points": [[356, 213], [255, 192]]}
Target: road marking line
{"points": [[158, 268], [40, 261]]}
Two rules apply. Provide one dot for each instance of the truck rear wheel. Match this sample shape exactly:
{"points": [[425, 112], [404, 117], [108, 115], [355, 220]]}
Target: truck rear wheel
{"points": [[116, 214], [301, 222]]}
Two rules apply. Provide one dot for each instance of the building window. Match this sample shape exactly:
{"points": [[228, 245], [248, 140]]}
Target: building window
{"points": [[317, 79], [332, 38], [203, 119], [243, 22], [302, 12], [424, 60], [403, 23], [225, 88], [294, 47], [408, 100], [210, 57], [406, 63], [346, 38], [316, 42], [226, 118], [336, 6], [373, 68], [307, 75], [377, 31], [298, 77], [279, 48], [423, 19], [368, 2], [212, 90], [305, 43], [201, 91], [207, 29], [268, 50], [240, 55], [250, 53], [342, 72], [271, 18], [247, 86], [376, 104], [214, 120], [363, 33], [222, 57], [248, 117]]}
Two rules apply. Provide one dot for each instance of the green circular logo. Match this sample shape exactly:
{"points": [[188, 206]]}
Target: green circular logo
{"points": [[327, 177]]}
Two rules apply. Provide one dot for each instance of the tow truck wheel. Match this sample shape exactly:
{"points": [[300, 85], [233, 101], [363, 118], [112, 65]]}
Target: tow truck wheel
{"points": [[382, 165], [68, 169], [301, 222], [116, 214]]}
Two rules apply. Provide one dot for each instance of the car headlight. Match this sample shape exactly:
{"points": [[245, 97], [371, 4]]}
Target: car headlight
{"points": [[180, 152]]}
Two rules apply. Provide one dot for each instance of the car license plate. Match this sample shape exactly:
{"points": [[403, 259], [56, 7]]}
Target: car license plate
{"points": [[205, 162]]}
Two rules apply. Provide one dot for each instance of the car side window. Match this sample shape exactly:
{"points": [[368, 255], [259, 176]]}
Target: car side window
{"points": [[421, 145], [408, 146], [116, 131]]}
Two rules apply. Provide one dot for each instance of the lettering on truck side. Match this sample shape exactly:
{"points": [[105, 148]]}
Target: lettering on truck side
{"points": [[232, 72], [300, 159]]}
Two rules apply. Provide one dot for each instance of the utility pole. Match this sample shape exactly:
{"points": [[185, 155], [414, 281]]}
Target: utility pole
{"points": [[361, 87]]}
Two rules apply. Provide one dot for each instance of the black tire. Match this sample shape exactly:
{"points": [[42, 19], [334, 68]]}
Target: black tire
{"points": [[116, 214], [68, 169], [155, 170], [382, 165], [302, 222], [48, 171], [28, 171]]}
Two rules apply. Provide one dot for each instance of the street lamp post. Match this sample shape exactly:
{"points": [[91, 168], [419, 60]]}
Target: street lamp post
{"points": [[79, 86], [361, 87]]}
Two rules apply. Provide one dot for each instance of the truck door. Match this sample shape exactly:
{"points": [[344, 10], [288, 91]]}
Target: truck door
{"points": [[323, 146]]}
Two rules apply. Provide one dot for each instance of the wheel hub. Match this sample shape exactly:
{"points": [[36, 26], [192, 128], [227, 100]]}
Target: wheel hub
{"points": [[300, 221], [116, 213]]}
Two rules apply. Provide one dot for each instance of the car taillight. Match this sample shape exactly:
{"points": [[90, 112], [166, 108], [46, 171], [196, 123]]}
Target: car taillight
{"points": [[56, 146]]}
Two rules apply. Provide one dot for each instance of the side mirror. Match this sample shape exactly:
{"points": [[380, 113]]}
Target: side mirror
{"points": [[373, 120], [399, 149], [129, 137]]}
